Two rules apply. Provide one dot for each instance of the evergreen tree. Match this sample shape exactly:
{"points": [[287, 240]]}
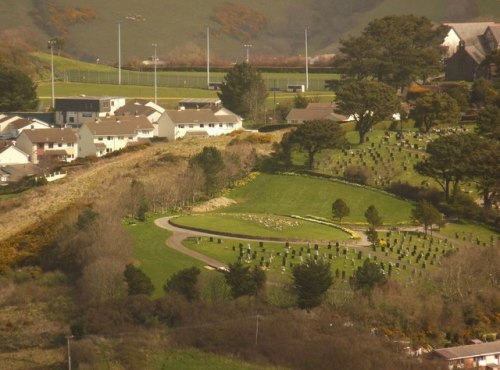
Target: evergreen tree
{"points": [[340, 209], [185, 282], [311, 280], [138, 282], [17, 91]]}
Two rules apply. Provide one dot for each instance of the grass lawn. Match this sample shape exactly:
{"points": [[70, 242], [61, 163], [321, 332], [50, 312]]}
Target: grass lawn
{"points": [[286, 195], [157, 260], [188, 359], [262, 226], [471, 232]]}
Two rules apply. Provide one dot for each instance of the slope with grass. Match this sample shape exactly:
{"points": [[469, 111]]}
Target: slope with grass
{"points": [[301, 195]]}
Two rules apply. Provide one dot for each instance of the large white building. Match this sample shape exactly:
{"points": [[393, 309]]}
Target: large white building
{"points": [[106, 135], [74, 111]]}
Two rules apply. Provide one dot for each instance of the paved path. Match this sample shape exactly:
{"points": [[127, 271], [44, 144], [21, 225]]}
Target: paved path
{"points": [[179, 235]]}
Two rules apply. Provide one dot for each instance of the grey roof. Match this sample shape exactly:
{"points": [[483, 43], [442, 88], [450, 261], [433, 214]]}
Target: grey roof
{"points": [[476, 50], [51, 135], [495, 30], [316, 112], [469, 30], [472, 350], [124, 125], [85, 97], [200, 100], [135, 107], [187, 116]]}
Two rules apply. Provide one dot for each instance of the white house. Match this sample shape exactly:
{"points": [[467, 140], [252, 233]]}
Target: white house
{"points": [[13, 155], [15, 128], [5, 120], [74, 111], [142, 107], [483, 356], [466, 32], [106, 135], [175, 124], [57, 143]]}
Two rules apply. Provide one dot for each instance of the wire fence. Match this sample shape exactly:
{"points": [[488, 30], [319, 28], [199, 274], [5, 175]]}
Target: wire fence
{"points": [[178, 81]]}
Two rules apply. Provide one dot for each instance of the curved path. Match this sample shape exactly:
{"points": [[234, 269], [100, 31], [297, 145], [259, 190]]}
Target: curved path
{"points": [[180, 234]]}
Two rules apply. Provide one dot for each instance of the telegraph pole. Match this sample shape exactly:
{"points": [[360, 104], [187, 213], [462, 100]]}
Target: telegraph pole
{"points": [[68, 337], [156, 83], [119, 53], [208, 57], [307, 62], [51, 44], [248, 46]]}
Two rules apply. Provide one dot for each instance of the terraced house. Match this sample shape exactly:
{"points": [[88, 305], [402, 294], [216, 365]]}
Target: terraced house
{"points": [[106, 135], [51, 143]]}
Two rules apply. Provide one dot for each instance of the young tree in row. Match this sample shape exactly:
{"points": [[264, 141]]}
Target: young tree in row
{"points": [[311, 280], [137, 281], [488, 121], [211, 162], [340, 209], [368, 102], [244, 281], [372, 236], [17, 91], [435, 108], [426, 214], [314, 136], [184, 282], [243, 90], [367, 277], [372, 216]]}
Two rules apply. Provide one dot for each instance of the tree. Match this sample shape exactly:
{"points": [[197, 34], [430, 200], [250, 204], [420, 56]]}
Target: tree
{"points": [[426, 214], [395, 50], [314, 136], [340, 209], [435, 108], [372, 236], [368, 102], [185, 283], [300, 101], [240, 83], [211, 162], [244, 281], [311, 280], [367, 277], [488, 121], [482, 92], [447, 161], [17, 91], [138, 282], [372, 216]]}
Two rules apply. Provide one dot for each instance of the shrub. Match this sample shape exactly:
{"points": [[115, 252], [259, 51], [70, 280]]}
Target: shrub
{"points": [[357, 174], [185, 282]]}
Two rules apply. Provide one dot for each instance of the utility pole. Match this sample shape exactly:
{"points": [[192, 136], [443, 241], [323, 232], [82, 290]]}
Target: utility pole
{"points": [[307, 62], [257, 331], [208, 57], [156, 84], [68, 337], [248, 46], [51, 44], [119, 53]]}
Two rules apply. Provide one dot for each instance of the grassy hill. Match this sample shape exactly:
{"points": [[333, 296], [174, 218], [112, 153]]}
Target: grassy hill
{"points": [[273, 28]]}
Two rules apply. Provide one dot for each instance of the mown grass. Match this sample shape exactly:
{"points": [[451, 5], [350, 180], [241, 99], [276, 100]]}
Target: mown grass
{"points": [[255, 225], [301, 195], [471, 232], [155, 258]]}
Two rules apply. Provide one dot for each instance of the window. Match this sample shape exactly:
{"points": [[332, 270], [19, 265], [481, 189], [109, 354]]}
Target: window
{"points": [[211, 125], [70, 145], [40, 146], [131, 138], [120, 137], [202, 125], [100, 138], [230, 125], [220, 125], [51, 145], [191, 126], [181, 126], [109, 137], [71, 119], [59, 145], [87, 115]]}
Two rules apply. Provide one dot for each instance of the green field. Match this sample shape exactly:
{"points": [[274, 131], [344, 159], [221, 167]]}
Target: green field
{"points": [[264, 226], [471, 233], [155, 259], [300, 195]]}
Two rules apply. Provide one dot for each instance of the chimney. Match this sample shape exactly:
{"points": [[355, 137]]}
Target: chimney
{"points": [[32, 127]]}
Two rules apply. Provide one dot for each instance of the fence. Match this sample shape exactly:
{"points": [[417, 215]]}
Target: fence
{"points": [[195, 80]]}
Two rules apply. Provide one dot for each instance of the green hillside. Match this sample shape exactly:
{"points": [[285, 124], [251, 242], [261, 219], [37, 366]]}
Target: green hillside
{"points": [[179, 28]]}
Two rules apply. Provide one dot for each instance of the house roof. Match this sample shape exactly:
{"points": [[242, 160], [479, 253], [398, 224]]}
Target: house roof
{"points": [[51, 135], [4, 148], [123, 125], [141, 107], [307, 114], [476, 50], [201, 101], [469, 30], [85, 97], [472, 350], [18, 171], [495, 30], [24, 122], [187, 116]]}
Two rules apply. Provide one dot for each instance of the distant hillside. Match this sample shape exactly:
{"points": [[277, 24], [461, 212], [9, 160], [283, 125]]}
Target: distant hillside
{"points": [[179, 27]]}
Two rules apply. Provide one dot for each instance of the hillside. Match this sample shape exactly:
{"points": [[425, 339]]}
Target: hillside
{"points": [[273, 28]]}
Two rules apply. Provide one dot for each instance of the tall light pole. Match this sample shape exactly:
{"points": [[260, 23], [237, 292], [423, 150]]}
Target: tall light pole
{"points": [[51, 44], [119, 52], [156, 84], [68, 337], [248, 46], [208, 57], [307, 62]]}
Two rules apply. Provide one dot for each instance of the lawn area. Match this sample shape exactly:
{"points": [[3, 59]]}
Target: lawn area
{"points": [[157, 260], [471, 232], [188, 359], [301, 195], [265, 226]]}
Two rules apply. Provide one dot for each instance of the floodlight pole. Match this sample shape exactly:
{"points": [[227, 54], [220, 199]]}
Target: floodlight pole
{"points": [[208, 57], [156, 83], [307, 62], [51, 46], [68, 337], [119, 53], [248, 46]]}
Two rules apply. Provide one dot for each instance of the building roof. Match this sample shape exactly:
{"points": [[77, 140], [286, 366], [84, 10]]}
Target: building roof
{"points": [[201, 101], [495, 30], [307, 114], [85, 97], [51, 135], [4, 148], [139, 107], [18, 171], [472, 350], [187, 116], [469, 30], [123, 125]]}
